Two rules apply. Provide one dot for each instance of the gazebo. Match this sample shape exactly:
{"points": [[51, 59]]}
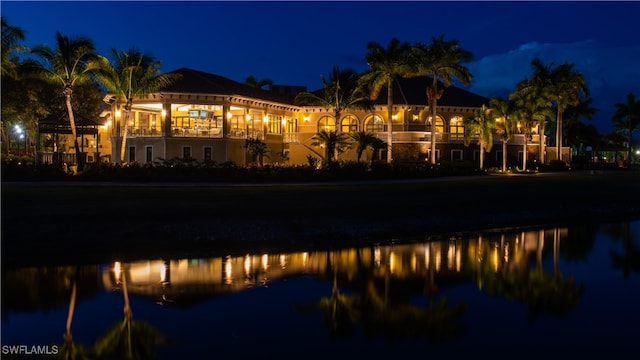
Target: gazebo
{"points": [[58, 124]]}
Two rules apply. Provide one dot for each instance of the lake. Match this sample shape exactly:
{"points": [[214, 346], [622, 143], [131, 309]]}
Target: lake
{"points": [[502, 293]]}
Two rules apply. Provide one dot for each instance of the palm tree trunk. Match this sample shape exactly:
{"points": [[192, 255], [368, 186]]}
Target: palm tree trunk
{"points": [[559, 134], [542, 142], [390, 120], [124, 136], [68, 338], [524, 153], [481, 156], [72, 122], [433, 129], [504, 156]]}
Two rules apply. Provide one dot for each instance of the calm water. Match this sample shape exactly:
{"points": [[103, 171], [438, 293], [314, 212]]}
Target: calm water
{"points": [[501, 294]]}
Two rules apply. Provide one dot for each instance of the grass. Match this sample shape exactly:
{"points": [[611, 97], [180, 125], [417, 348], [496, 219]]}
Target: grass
{"points": [[99, 222]]}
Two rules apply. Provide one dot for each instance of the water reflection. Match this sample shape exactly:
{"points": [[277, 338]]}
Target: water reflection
{"points": [[396, 291]]}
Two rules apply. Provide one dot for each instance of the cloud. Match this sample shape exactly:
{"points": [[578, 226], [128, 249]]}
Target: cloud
{"points": [[610, 72]]}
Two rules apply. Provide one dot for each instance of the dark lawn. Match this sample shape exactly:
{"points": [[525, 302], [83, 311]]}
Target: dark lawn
{"points": [[94, 222]]}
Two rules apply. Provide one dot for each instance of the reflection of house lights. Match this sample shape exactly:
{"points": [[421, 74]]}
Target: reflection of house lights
{"points": [[247, 265], [265, 262], [392, 262], [117, 271], [227, 270]]}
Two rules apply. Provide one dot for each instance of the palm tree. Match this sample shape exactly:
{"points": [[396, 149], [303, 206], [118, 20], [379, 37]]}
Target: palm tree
{"points": [[481, 125], [363, 141], [502, 112], [258, 84], [66, 65], [332, 142], [573, 128], [376, 145], [342, 91], [442, 60], [562, 86], [529, 107], [11, 37], [384, 66], [257, 149], [132, 74], [626, 119]]}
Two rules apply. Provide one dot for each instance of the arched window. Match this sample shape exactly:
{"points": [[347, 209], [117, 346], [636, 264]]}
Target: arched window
{"points": [[439, 124], [327, 123], [373, 123], [349, 124], [456, 127]]}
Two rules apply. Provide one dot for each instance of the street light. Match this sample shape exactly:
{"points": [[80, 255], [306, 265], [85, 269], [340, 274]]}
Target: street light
{"points": [[19, 136]]}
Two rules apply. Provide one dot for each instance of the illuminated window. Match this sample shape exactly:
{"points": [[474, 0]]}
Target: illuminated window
{"points": [[291, 124], [274, 125], [349, 124], [373, 123], [439, 124], [456, 128], [327, 123]]}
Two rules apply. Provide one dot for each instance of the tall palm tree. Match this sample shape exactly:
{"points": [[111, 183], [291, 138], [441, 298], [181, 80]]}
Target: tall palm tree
{"points": [[626, 119], [332, 142], [443, 61], [385, 65], [502, 111], [562, 86], [132, 74], [481, 125], [258, 84], [342, 91], [531, 106], [573, 127], [11, 37], [66, 65]]}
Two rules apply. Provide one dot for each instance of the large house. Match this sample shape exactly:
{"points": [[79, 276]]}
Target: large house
{"points": [[207, 117]]}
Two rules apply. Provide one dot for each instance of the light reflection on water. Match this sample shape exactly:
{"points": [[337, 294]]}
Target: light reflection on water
{"points": [[537, 290]]}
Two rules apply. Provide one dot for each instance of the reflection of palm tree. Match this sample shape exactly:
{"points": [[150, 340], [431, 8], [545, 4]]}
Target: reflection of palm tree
{"points": [[129, 339], [541, 291], [629, 260], [378, 314], [70, 350]]}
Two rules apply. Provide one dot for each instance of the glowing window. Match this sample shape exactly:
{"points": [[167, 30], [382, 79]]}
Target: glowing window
{"points": [[373, 123], [327, 123], [349, 124]]}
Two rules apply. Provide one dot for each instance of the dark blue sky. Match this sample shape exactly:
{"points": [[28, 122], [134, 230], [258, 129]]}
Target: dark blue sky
{"points": [[295, 42]]}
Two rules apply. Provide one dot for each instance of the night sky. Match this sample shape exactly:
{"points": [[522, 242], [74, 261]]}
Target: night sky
{"points": [[295, 42]]}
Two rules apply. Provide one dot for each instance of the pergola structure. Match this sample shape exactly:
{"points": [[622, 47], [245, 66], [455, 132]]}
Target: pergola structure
{"points": [[59, 124]]}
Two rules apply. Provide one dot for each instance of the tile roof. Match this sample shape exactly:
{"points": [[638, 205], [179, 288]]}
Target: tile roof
{"points": [[413, 91], [194, 81], [407, 91]]}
